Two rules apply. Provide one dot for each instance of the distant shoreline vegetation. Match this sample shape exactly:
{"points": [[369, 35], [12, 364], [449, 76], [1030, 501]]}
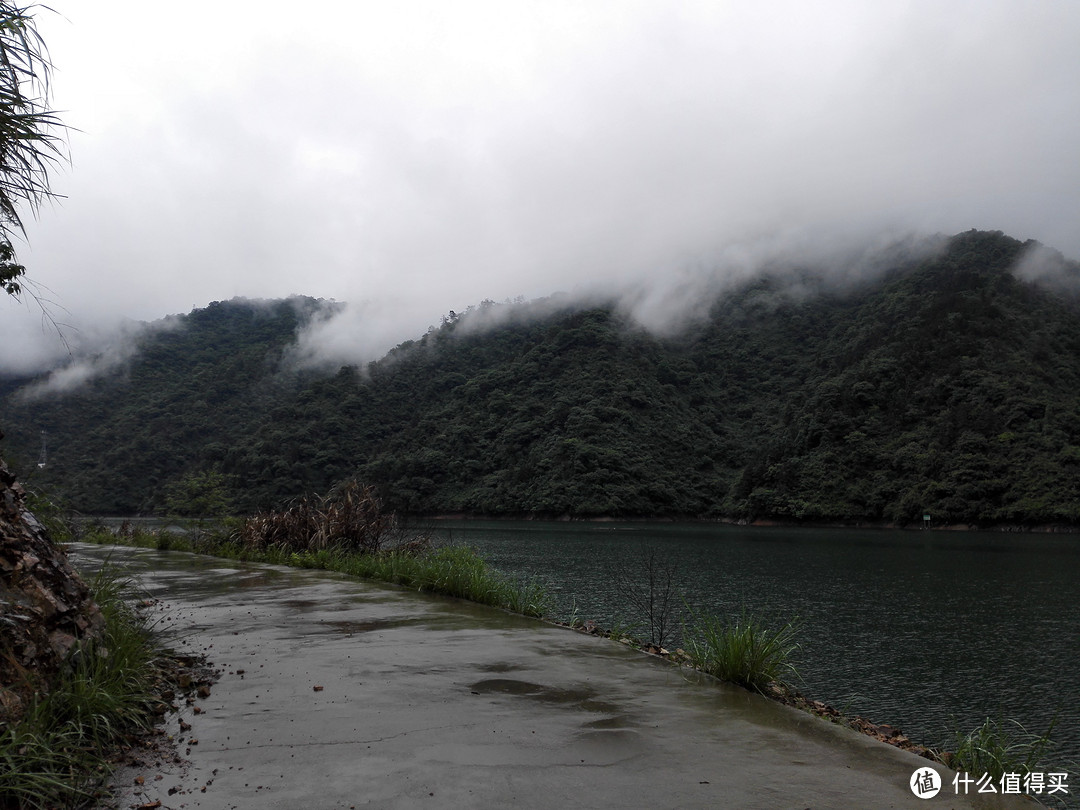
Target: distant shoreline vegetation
{"points": [[764, 523], [163, 522], [945, 384]]}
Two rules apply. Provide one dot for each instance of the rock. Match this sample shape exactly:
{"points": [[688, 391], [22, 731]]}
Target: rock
{"points": [[61, 642]]}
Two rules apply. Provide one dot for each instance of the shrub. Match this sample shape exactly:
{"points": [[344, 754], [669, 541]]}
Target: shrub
{"points": [[350, 518], [648, 584], [743, 652]]}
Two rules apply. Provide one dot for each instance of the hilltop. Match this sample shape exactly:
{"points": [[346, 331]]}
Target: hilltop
{"points": [[946, 384]]}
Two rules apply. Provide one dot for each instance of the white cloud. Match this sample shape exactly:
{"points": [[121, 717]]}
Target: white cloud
{"points": [[422, 156], [90, 354]]}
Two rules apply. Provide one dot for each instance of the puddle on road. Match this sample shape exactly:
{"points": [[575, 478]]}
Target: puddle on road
{"points": [[353, 628], [300, 604], [614, 735], [582, 698], [498, 667], [623, 738]]}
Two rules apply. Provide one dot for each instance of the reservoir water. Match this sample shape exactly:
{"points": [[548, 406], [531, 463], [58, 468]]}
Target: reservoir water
{"points": [[929, 631]]}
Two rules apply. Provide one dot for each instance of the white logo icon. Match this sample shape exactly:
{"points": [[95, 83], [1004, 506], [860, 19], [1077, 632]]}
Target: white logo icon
{"points": [[925, 783]]}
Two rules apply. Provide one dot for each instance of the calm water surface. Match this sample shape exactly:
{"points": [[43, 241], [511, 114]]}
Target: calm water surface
{"points": [[929, 631]]}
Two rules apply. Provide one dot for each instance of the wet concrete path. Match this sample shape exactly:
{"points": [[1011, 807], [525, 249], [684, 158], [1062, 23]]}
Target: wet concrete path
{"points": [[339, 693]]}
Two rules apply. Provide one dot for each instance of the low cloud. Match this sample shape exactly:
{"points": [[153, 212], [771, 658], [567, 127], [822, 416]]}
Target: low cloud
{"points": [[665, 303], [354, 333], [452, 152], [1049, 268], [92, 356]]}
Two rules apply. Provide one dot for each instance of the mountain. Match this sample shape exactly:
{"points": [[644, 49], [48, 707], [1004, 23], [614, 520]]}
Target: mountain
{"points": [[948, 383], [189, 385]]}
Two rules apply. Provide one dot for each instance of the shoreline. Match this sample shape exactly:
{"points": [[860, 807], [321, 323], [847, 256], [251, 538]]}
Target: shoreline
{"points": [[757, 523], [765, 523], [778, 692]]}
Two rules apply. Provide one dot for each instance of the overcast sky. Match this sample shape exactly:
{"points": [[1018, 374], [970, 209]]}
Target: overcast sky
{"points": [[416, 157]]}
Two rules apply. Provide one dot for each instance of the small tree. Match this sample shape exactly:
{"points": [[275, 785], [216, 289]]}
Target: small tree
{"points": [[648, 584], [199, 495]]}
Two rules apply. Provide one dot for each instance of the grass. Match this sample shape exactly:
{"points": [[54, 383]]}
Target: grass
{"points": [[56, 755], [997, 748], [450, 570], [743, 652], [348, 531]]}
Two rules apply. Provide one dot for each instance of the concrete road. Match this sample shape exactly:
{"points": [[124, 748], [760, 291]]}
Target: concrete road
{"points": [[338, 693]]}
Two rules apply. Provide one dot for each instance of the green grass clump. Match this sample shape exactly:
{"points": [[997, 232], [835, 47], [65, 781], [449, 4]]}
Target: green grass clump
{"points": [[996, 748], [55, 755], [743, 652], [451, 570]]}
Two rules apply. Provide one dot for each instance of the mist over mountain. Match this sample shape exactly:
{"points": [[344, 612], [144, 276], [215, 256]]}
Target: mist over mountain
{"points": [[939, 378], [451, 152]]}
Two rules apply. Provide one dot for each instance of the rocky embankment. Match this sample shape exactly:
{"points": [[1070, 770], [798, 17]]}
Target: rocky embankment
{"points": [[45, 607]]}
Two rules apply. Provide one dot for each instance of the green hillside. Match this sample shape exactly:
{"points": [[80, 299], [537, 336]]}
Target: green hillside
{"points": [[117, 442], [947, 385]]}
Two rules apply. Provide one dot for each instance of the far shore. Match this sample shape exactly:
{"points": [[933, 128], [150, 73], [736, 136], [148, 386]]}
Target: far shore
{"points": [[765, 523], [1041, 528]]}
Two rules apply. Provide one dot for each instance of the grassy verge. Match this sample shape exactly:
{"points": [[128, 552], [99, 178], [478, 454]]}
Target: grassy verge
{"points": [[56, 755], [451, 570]]}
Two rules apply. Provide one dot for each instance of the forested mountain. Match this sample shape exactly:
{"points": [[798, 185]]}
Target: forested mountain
{"points": [[947, 385]]}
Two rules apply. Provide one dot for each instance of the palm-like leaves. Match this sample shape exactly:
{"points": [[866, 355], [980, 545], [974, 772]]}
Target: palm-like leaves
{"points": [[29, 141]]}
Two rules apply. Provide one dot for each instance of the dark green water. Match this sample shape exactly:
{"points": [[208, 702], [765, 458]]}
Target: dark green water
{"points": [[929, 631]]}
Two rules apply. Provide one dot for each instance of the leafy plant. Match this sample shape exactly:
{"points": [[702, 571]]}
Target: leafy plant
{"points": [[44, 767], [574, 622], [29, 143], [744, 651], [997, 748]]}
